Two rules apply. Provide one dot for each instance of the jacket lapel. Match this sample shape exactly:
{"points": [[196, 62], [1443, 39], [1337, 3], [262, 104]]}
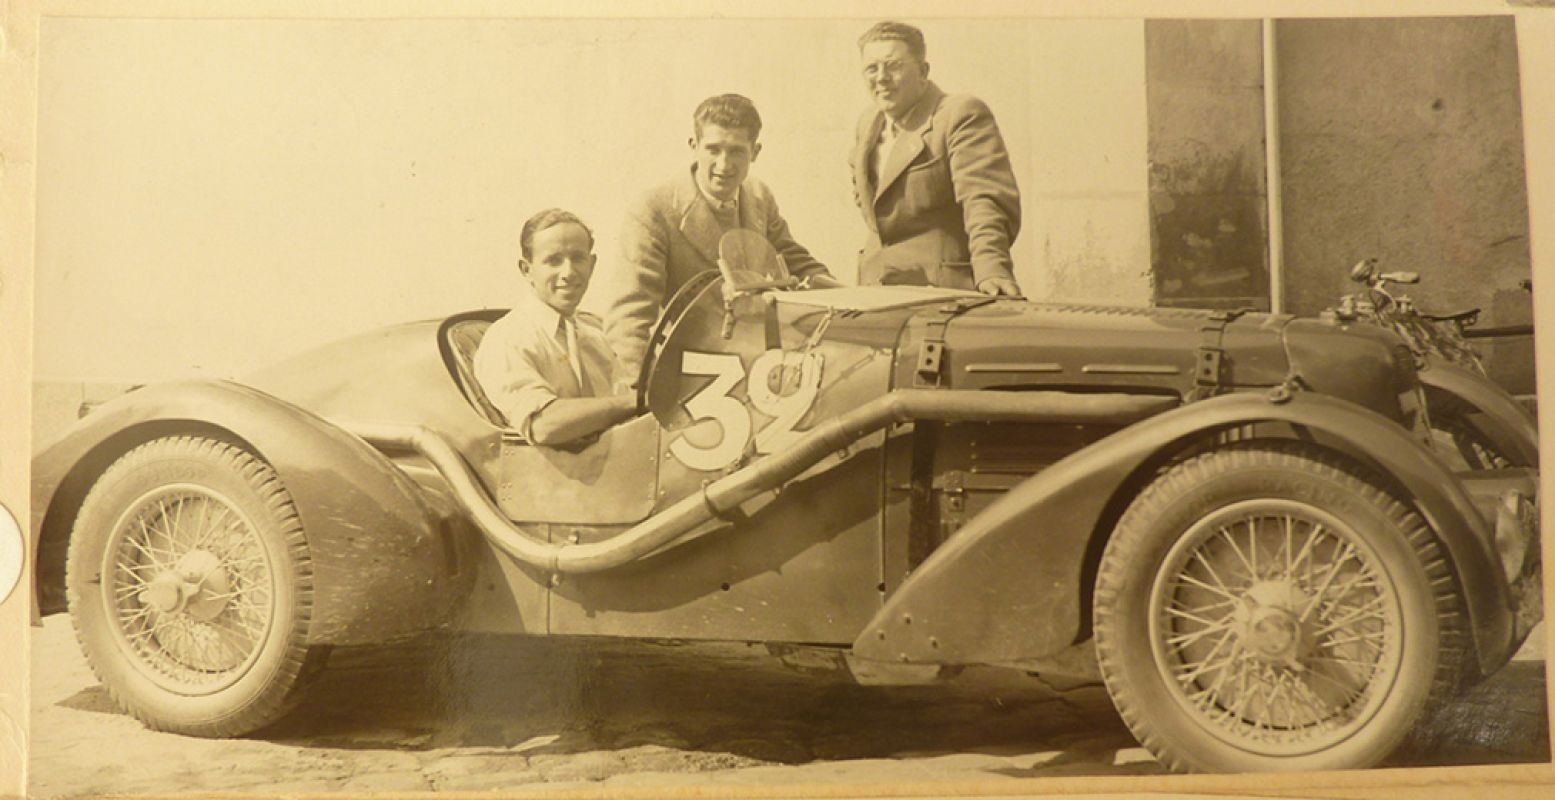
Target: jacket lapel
{"points": [[863, 155], [910, 141], [697, 222], [753, 213], [907, 147]]}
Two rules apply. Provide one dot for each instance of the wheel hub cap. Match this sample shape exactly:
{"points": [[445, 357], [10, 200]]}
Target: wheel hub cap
{"points": [[188, 581], [1268, 625], [1276, 626], [196, 585]]}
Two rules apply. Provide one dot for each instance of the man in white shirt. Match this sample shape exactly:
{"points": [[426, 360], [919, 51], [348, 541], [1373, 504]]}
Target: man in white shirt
{"points": [[546, 366]]}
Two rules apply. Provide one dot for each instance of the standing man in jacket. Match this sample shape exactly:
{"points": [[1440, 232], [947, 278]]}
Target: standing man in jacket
{"points": [[931, 176], [672, 232]]}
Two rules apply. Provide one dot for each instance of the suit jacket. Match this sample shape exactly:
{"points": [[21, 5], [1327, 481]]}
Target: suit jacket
{"points": [[670, 235], [946, 208]]}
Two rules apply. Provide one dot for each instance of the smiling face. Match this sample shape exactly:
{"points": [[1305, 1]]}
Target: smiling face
{"points": [[560, 265], [723, 159], [894, 76]]}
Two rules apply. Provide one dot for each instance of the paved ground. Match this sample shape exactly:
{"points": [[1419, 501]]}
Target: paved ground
{"points": [[489, 713]]}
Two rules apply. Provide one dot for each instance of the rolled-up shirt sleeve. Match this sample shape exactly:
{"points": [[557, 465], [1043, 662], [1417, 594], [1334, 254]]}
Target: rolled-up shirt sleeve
{"points": [[512, 381]]}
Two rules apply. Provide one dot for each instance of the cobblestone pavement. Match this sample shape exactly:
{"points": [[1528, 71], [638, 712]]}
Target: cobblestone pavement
{"points": [[488, 713]]}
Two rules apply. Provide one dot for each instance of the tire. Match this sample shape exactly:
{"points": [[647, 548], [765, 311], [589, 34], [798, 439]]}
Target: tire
{"points": [[1222, 657], [191, 588]]}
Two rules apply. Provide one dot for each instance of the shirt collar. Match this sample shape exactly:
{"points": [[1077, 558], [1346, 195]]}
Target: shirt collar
{"points": [[544, 317]]}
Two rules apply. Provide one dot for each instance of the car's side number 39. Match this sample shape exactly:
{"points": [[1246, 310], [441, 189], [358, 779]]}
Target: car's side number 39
{"points": [[785, 396]]}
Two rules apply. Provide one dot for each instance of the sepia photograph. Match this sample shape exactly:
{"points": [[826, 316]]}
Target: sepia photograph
{"points": [[750, 401]]}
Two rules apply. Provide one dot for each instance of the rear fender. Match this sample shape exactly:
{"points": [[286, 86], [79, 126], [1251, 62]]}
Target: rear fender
{"points": [[1503, 420], [381, 564], [1012, 585]]}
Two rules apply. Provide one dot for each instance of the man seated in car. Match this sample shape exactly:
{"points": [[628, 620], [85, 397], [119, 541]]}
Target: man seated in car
{"points": [[546, 366]]}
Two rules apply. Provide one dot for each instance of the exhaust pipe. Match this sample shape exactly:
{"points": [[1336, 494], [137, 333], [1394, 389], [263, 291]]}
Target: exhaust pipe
{"points": [[767, 474]]}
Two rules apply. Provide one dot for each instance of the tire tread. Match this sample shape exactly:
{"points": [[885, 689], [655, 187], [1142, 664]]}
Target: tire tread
{"points": [[1150, 504], [300, 661]]}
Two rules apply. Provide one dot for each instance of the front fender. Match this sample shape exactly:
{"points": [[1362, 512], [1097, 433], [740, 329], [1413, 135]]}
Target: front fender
{"points": [[380, 564], [1503, 420], [1008, 586]]}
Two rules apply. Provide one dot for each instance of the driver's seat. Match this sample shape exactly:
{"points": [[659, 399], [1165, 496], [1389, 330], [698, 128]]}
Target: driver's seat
{"points": [[463, 337]]}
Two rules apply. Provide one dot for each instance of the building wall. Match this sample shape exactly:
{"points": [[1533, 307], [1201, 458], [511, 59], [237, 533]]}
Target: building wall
{"points": [[1086, 201], [1401, 139], [1416, 161], [1208, 187]]}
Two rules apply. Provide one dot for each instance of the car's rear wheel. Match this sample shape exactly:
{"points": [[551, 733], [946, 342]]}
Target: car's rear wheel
{"points": [[1268, 606], [190, 586]]}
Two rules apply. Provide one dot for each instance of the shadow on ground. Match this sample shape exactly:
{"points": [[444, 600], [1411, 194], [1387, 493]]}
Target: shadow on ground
{"points": [[575, 696], [572, 696], [1501, 720]]}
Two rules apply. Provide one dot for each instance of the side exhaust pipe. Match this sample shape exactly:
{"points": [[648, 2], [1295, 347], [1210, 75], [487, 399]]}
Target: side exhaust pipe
{"points": [[769, 473]]}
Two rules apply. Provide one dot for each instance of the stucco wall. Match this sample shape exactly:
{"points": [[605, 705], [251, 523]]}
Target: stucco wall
{"points": [[1204, 83], [1402, 140]]}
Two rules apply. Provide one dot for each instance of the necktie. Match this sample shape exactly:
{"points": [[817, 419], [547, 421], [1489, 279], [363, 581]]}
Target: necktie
{"points": [[567, 339], [883, 147], [727, 214]]}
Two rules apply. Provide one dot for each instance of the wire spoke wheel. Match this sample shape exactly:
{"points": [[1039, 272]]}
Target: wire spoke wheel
{"points": [[1267, 605], [1278, 625], [192, 587]]}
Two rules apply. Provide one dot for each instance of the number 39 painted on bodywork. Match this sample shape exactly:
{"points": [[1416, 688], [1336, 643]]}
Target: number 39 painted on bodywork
{"points": [[780, 384]]}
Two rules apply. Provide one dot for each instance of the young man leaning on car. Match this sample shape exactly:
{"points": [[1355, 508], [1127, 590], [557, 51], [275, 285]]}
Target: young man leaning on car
{"points": [[671, 233], [545, 365]]}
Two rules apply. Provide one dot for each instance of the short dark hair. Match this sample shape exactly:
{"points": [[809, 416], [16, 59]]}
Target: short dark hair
{"points": [[889, 31], [549, 218], [727, 111]]}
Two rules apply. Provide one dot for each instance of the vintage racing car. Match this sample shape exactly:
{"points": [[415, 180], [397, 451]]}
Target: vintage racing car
{"points": [[1244, 523]]}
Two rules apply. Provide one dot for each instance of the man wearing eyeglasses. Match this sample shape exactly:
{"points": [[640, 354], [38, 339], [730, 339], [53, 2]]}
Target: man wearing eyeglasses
{"points": [[931, 175]]}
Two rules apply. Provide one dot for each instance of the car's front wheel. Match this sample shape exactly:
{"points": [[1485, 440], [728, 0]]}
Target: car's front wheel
{"points": [[190, 587], [1268, 606]]}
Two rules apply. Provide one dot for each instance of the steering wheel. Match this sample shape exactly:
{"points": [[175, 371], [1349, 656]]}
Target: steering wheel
{"points": [[677, 305]]}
